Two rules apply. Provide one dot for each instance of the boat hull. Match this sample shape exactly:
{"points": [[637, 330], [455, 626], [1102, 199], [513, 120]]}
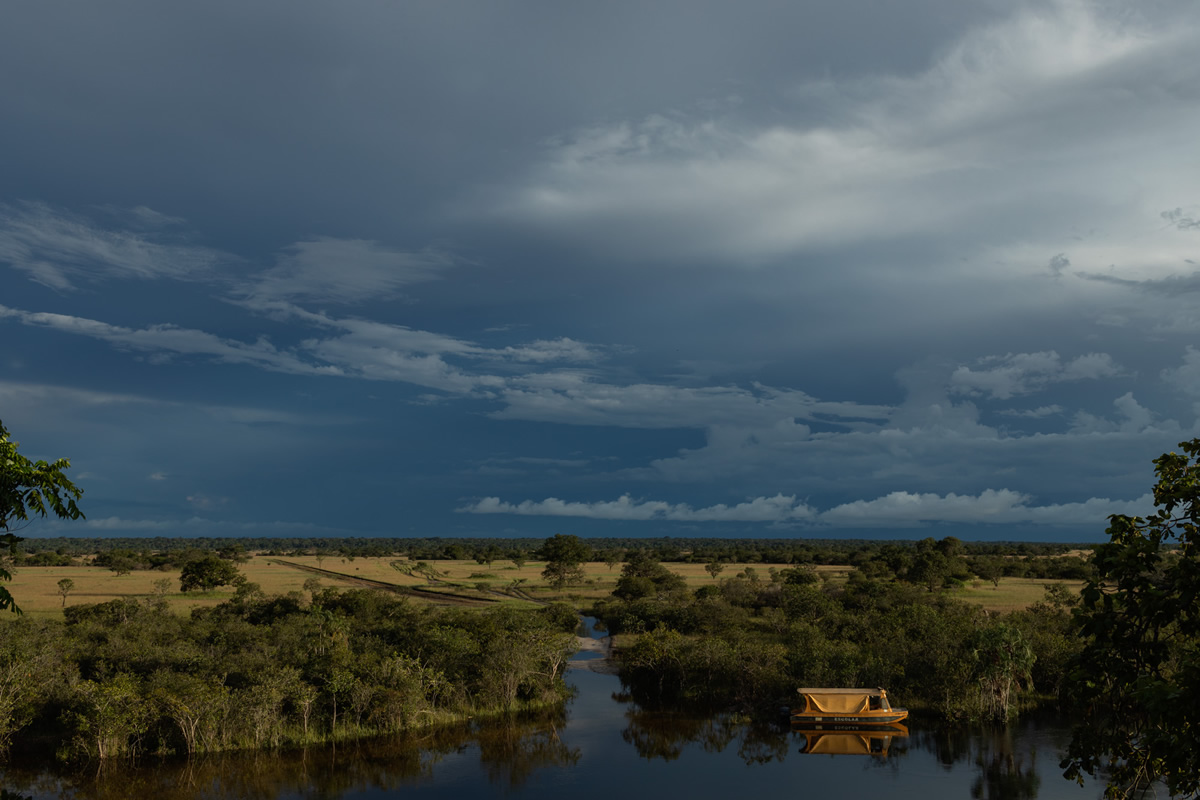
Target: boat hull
{"points": [[868, 718]]}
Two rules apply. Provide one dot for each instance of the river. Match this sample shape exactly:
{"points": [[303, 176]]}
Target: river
{"points": [[603, 746]]}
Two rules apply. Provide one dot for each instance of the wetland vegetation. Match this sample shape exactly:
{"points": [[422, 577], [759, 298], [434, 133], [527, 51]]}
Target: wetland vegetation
{"points": [[128, 677], [299, 647]]}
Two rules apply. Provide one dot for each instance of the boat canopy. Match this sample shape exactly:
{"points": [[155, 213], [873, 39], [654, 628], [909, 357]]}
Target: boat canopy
{"points": [[840, 701]]}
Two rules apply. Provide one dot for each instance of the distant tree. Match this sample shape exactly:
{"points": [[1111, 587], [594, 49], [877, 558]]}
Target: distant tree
{"points": [[714, 568], [162, 586], [989, 569], [121, 564], [800, 576], [486, 555], [613, 556], [931, 567], [518, 558], [64, 588], [206, 573], [951, 547], [245, 590], [234, 552], [643, 576], [1136, 682], [633, 587], [30, 487], [564, 556]]}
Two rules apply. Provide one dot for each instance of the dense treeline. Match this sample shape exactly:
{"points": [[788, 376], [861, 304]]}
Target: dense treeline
{"points": [[1015, 558], [751, 640], [128, 677]]}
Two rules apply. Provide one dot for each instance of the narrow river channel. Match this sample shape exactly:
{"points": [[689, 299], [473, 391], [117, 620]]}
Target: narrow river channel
{"points": [[604, 747]]}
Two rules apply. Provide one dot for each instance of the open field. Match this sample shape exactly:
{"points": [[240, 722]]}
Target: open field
{"points": [[36, 588], [1013, 593]]}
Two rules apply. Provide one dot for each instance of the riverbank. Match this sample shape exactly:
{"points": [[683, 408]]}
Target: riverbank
{"points": [[129, 678], [596, 747], [598, 658]]}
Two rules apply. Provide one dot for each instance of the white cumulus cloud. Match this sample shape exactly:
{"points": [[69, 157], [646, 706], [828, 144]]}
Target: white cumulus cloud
{"points": [[1002, 377], [896, 509], [780, 508]]}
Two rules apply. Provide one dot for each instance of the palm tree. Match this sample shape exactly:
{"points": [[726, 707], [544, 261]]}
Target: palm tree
{"points": [[1003, 663]]}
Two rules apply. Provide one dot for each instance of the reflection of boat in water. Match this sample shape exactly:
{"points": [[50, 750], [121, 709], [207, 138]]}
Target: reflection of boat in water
{"points": [[849, 740], [842, 706]]}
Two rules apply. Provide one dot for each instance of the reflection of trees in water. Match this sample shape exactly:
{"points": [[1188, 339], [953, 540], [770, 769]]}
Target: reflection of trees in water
{"points": [[512, 749], [319, 773], [948, 745], [1004, 771], [515, 749], [761, 744], [660, 734]]}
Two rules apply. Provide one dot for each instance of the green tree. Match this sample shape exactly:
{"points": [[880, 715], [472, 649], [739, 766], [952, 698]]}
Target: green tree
{"points": [[65, 586], [800, 576], [1136, 681], [564, 556], [109, 716], [31, 663], [206, 573], [121, 564], [930, 567], [642, 576], [612, 556], [989, 569], [27, 487], [195, 705], [486, 555], [1003, 662], [234, 552]]}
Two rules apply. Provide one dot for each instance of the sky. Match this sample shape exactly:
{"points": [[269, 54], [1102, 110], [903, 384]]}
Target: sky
{"points": [[820, 269]]}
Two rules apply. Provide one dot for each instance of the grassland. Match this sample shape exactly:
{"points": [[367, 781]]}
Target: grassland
{"points": [[1012, 594], [36, 588]]}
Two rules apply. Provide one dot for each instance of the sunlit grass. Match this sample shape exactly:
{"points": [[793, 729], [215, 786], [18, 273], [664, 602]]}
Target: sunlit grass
{"points": [[1013, 594], [36, 588]]}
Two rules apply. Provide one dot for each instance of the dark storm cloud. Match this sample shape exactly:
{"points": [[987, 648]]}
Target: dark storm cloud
{"points": [[824, 265], [345, 118]]}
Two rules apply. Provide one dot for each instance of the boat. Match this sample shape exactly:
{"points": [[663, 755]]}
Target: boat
{"points": [[846, 706]]}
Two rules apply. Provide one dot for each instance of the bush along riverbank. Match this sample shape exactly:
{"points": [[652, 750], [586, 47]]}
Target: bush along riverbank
{"points": [[750, 641], [126, 677]]}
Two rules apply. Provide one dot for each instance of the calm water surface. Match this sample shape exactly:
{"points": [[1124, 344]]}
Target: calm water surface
{"points": [[603, 746]]}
